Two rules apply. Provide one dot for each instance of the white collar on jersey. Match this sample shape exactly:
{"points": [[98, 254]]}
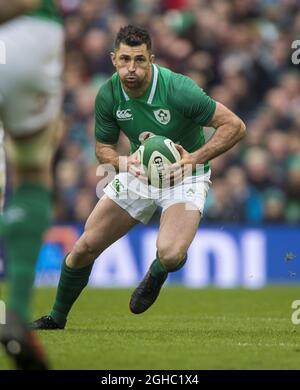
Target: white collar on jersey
{"points": [[153, 88]]}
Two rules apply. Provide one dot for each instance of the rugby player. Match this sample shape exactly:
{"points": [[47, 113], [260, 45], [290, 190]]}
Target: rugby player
{"points": [[143, 97], [30, 103]]}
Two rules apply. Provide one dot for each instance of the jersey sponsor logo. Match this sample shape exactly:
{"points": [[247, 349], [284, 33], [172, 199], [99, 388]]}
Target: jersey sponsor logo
{"points": [[162, 116], [124, 115]]}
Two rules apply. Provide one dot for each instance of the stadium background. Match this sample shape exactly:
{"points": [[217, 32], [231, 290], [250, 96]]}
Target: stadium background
{"points": [[239, 52]]}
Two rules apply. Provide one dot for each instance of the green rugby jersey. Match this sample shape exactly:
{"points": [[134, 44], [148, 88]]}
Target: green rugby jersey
{"points": [[173, 106], [47, 10]]}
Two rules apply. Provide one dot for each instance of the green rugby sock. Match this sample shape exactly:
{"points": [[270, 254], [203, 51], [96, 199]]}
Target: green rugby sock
{"points": [[180, 265], [23, 225], [72, 281], [158, 270]]}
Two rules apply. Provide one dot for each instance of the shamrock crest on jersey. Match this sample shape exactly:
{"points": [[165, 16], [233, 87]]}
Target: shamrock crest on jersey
{"points": [[162, 116]]}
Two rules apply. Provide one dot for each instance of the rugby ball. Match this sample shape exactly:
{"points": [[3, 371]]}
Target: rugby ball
{"points": [[156, 154]]}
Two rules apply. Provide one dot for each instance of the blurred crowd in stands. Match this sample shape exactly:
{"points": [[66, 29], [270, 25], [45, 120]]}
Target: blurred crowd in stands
{"points": [[239, 52]]}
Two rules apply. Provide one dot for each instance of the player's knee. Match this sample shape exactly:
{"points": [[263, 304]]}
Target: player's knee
{"points": [[171, 256], [85, 249]]}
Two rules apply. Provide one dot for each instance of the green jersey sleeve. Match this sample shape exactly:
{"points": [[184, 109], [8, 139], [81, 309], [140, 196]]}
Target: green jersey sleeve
{"points": [[188, 98], [107, 130]]}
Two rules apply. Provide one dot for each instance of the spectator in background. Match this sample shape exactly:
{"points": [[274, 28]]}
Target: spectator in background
{"points": [[274, 206], [293, 189]]}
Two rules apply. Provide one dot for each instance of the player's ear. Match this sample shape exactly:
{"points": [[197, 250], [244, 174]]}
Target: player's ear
{"points": [[152, 58], [113, 58]]}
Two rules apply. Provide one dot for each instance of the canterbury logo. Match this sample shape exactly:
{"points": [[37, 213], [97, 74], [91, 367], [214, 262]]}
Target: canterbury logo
{"points": [[124, 115]]}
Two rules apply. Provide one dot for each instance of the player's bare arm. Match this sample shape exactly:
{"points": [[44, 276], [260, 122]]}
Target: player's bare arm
{"points": [[107, 154], [10, 9], [230, 129]]}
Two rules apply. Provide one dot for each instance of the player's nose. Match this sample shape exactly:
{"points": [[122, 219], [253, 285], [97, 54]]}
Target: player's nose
{"points": [[131, 68]]}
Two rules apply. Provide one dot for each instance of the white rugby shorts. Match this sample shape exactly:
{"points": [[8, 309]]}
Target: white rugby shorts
{"points": [[141, 201], [31, 77]]}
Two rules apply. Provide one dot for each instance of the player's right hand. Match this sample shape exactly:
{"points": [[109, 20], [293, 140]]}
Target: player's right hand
{"points": [[135, 168]]}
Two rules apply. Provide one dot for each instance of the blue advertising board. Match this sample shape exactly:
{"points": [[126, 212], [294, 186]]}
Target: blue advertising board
{"points": [[227, 256]]}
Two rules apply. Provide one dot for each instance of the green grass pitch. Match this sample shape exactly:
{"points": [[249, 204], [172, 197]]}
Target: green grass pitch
{"points": [[185, 329]]}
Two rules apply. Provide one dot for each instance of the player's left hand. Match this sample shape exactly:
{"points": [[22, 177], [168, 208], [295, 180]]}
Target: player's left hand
{"points": [[182, 168]]}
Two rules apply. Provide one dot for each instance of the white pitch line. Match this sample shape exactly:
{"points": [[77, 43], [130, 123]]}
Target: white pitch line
{"points": [[286, 345], [230, 317]]}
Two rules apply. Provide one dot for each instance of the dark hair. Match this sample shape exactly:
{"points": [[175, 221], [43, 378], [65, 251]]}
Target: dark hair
{"points": [[133, 36]]}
